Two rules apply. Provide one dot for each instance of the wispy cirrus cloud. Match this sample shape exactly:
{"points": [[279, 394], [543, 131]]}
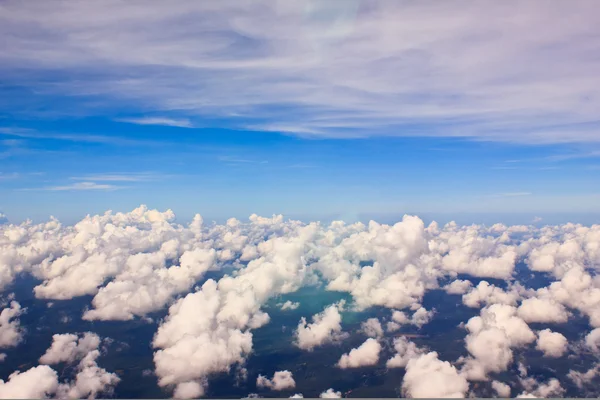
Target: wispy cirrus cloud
{"points": [[120, 177], [181, 123], [79, 186], [511, 194], [327, 69]]}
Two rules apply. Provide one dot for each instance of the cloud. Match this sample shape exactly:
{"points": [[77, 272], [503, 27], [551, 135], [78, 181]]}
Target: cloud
{"points": [[345, 69], [542, 310], [69, 347], [501, 389], [282, 380], [11, 333], [405, 351], [490, 339], [36, 383], [366, 354], [289, 305], [325, 328], [330, 394], [458, 286], [117, 177], [372, 328], [181, 123], [427, 377], [80, 186], [552, 344]]}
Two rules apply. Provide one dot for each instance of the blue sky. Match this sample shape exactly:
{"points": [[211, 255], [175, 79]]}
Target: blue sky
{"points": [[328, 109]]}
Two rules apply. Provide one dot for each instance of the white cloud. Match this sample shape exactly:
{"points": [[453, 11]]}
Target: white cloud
{"points": [[490, 339], [373, 68], [487, 294], [69, 347], [582, 379], [81, 186], [372, 328], [189, 390], [36, 383], [289, 305], [458, 287], [181, 123], [11, 333], [427, 377], [325, 328], [534, 389], [542, 310], [552, 344], [366, 354], [330, 394], [405, 351], [592, 340], [282, 380], [501, 389]]}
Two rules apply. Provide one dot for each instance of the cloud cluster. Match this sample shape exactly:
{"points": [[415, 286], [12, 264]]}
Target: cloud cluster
{"points": [[364, 355], [142, 261], [42, 381], [325, 328], [11, 332], [427, 376], [281, 380]]}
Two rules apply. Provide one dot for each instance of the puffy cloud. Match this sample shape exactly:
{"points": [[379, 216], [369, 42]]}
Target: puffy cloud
{"points": [[325, 328], [487, 294], [458, 286], [11, 332], [534, 389], [36, 383], [210, 330], [581, 379], [552, 344], [542, 310], [501, 389], [69, 347], [282, 380], [365, 355], [372, 328], [592, 340], [405, 351], [189, 390], [490, 339], [421, 317], [330, 394], [297, 396], [427, 377], [289, 305], [90, 378]]}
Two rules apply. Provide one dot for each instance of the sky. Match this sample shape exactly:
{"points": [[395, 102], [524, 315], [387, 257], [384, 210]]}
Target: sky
{"points": [[483, 111]]}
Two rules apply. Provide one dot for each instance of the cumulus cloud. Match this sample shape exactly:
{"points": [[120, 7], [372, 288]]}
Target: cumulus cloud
{"points": [[90, 378], [501, 389], [325, 328], [330, 394], [487, 294], [35, 383], [372, 328], [552, 344], [11, 333], [281, 380], [426, 377], [405, 351], [289, 305], [490, 339], [365, 355], [534, 389], [542, 310], [458, 286], [69, 347], [592, 340]]}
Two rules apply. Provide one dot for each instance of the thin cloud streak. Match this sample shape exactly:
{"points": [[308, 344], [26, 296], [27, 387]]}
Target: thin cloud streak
{"points": [[180, 123]]}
